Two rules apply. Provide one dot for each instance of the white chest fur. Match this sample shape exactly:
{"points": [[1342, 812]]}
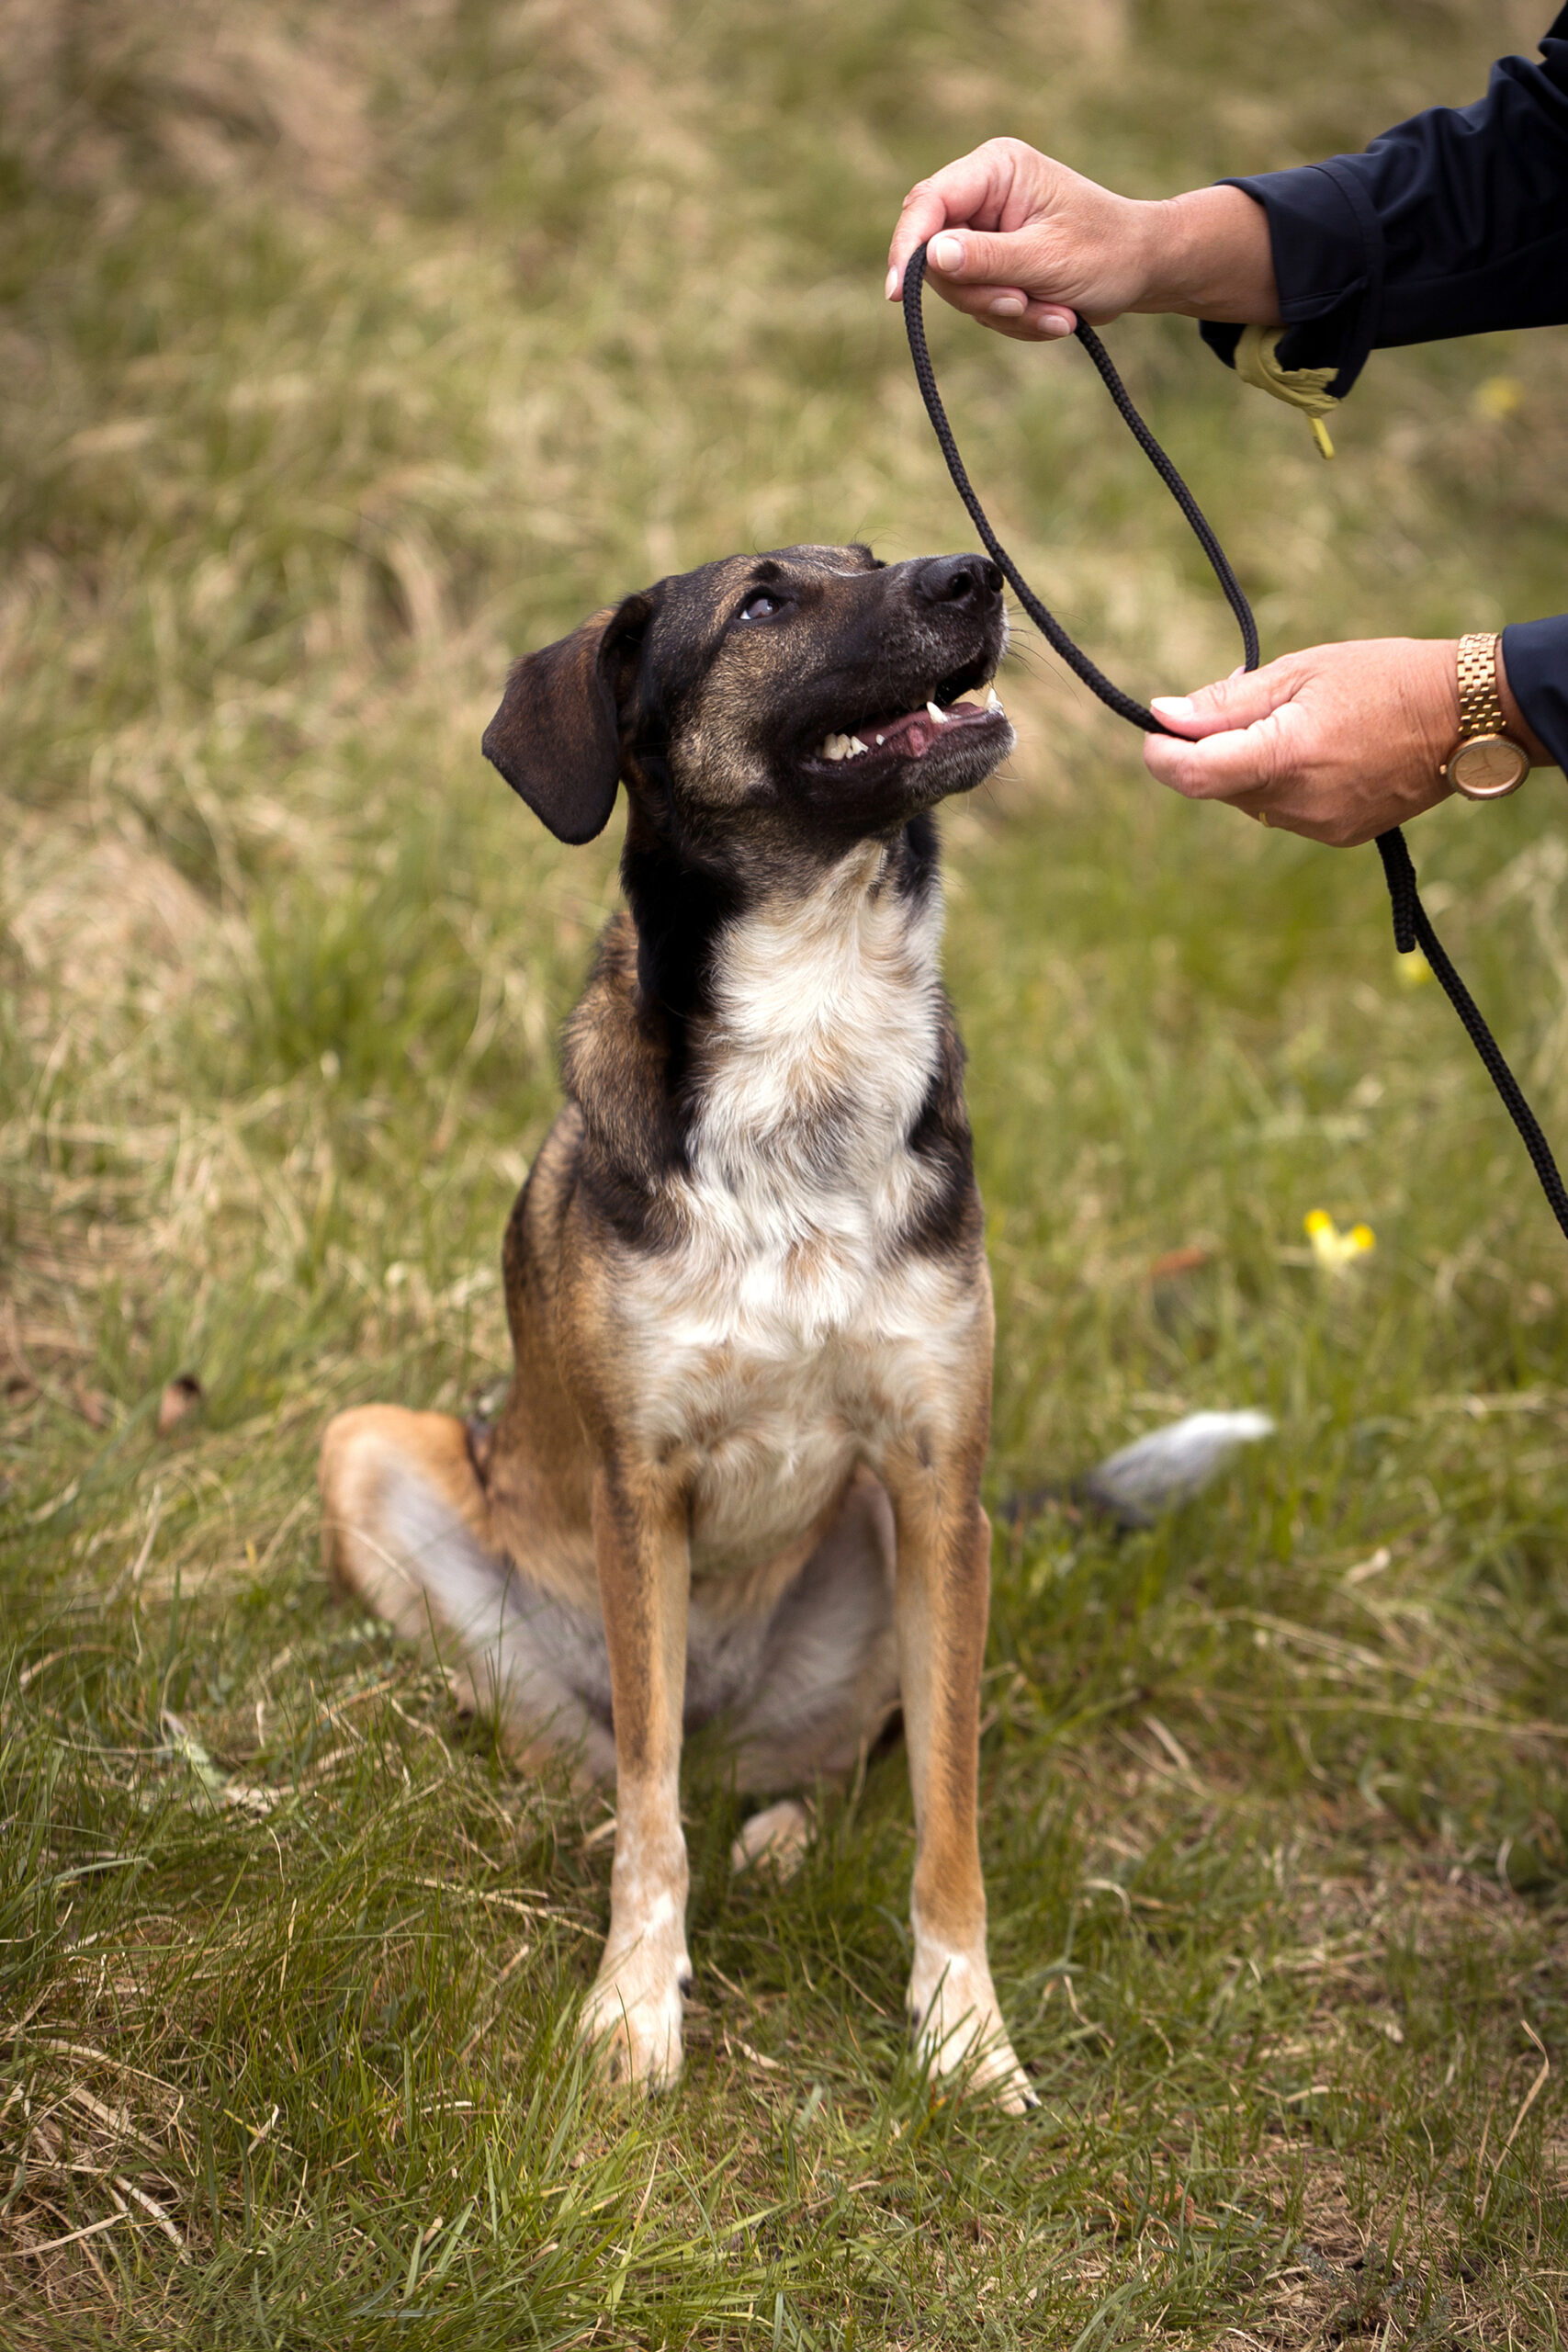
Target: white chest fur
{"points": [[789, 1332]]}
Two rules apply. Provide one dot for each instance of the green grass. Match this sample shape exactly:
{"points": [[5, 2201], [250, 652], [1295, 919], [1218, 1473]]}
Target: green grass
{"points": [[345, 353]]}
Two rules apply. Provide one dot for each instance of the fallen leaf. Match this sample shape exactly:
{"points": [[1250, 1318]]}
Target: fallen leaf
{"points": [[1179, 1262], [180, 1399], [92, 1406]]}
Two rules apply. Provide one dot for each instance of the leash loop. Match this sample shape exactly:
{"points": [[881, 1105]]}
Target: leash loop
{"points": [[1050, 627], [1411, 926]]}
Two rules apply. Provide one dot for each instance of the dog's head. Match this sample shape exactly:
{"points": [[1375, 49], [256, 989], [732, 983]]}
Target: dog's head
{"points": [[812, 686]]}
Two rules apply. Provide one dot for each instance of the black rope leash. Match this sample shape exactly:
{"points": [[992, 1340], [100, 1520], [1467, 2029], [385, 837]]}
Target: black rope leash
{"points": [[1411, 926]]}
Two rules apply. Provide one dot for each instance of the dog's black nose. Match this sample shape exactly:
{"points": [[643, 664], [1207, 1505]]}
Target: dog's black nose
{"points": [[958, 580]]}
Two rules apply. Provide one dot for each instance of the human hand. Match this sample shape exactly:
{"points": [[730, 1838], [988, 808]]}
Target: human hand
{"points": [[1040, 242], [1336, 743], [1026, 247]]}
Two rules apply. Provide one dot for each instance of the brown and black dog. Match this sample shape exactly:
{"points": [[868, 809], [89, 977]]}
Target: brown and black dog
{"points": [[738, 1470]]}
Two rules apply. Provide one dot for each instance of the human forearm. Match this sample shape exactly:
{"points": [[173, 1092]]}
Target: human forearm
{"points": [[1209, 257]]}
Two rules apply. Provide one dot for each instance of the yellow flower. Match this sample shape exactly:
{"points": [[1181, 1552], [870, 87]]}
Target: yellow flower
{"points": [[1335, 1250], [1498, 397]]}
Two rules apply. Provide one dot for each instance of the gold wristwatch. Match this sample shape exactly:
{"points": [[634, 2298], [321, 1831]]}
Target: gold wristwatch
{"points": [[1485, 764]]}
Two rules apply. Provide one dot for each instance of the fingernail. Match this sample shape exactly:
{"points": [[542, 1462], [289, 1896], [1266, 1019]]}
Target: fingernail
{"points": [[1008, 306], [945, 252], [1173, 706], [892, 286]]}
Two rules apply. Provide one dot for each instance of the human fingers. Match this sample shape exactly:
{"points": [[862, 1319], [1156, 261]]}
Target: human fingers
{"points": [[973, 188], [1239, 700], [1288, 775], [1227, 765], [1002, 278], [1009, 311]]}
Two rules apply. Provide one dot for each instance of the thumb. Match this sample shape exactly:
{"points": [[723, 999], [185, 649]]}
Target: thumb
{"points": [[973, 257], [1240, 700]]}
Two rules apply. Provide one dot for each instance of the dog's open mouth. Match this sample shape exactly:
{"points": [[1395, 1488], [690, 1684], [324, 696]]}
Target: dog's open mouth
{"points": [[911, 736]]}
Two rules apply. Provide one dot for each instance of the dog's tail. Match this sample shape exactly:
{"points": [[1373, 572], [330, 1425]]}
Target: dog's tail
{"points": [[1168, 1466]]}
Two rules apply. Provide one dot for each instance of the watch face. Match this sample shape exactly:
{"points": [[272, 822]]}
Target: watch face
{"points": [[1488, 767]]}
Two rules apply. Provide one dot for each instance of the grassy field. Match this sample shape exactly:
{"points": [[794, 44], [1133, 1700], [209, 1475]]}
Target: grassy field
{"points": [[347, 352]]}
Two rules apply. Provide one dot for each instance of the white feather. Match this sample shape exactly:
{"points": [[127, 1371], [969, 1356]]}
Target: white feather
{"points": [[1172, 1463]]}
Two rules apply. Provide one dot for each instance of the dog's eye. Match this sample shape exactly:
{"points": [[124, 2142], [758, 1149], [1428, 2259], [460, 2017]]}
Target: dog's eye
{"points": [[760, 605]]}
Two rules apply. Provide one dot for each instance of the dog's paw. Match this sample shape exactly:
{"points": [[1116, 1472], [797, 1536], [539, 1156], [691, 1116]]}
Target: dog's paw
{"points": [[632, 2020], [775, 1839], [958, 2028]]}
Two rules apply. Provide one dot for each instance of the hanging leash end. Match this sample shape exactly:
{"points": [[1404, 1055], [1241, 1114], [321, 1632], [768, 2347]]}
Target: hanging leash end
{"points": [[1400, 875]]}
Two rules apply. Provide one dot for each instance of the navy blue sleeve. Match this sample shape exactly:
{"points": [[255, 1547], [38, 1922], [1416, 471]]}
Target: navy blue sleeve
{"points": [[1535, 654], [1453, 223]]}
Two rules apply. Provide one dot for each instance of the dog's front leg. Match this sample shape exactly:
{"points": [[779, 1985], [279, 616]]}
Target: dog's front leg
{"points": [[640, 1539], [942, 1599]]}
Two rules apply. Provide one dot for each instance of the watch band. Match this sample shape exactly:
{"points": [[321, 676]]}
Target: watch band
{"points": [[1480, 704]]}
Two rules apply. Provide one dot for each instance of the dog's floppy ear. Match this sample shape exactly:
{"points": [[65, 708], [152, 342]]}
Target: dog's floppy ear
{"points": [[556, 738]]}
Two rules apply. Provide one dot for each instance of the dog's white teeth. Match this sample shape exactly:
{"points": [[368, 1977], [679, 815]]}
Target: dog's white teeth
{"points": [[993, 701], [936, 712], [881, 739], [855, 744], [835, 747]]}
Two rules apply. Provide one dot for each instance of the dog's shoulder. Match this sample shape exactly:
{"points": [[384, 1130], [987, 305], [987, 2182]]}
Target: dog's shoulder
{"points": [[608, 1056]]}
